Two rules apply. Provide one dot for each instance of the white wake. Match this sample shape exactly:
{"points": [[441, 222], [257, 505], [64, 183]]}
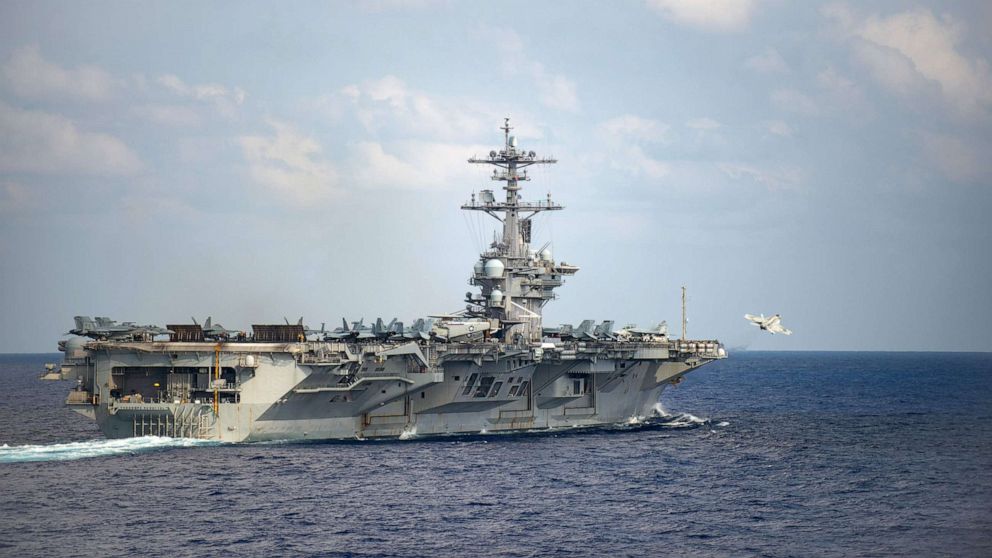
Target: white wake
{"points": [[94, 448]]}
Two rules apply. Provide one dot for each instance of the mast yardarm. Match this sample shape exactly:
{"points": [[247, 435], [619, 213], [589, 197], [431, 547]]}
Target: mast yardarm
{"points": [[525, 278]]}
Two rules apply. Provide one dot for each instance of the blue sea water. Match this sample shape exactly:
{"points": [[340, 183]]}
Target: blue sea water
{"points": [[766, 454]]}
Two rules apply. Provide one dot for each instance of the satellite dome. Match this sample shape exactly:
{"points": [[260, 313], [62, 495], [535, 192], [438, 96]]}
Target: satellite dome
{"points": [[496, 297], [546, 254], [479, 267], [75, 342], [494, 268]]}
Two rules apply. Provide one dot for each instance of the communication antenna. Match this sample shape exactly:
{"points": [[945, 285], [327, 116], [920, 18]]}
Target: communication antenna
{"points": [[683, 313]]}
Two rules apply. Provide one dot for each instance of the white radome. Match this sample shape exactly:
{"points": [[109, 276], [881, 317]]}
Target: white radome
{"points": [[494, 268]]}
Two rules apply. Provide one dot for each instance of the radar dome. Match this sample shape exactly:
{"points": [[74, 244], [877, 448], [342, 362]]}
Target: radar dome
{"points": [[546, 254], [494, 268], [75, 342], [496, 297], [479, 267], [75, 347]]}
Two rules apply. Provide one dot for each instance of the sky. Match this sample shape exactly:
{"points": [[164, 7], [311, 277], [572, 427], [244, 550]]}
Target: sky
{"points": [[252, 161]]}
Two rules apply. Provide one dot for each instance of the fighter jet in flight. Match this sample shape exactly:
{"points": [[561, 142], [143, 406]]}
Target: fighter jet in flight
{"points": [[771, 324]]}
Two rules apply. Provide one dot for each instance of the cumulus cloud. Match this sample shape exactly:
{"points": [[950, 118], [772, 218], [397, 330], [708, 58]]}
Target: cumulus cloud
{"points": [[400, 5], [224, 99], [30, 75], [768, 62], [702, 124], [780, 178], [44, 143], [556, 90], [289, 164], [964, 162], [778, 128], [839, 87], [626, 137], [794, 101], [389, 103], [178, 116], [411, 165], [14, 198], [710, 15], [634, 127], [908, 49]]}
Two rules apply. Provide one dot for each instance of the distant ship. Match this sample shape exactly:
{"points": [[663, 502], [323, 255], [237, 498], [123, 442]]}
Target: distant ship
{"points": [[490, 367]]}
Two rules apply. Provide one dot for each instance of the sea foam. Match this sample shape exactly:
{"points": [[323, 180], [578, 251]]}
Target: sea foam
{"points": [[94, 448]]}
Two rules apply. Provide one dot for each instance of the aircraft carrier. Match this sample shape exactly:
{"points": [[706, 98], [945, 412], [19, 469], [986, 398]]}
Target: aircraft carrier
{"points": [[488, 368]]}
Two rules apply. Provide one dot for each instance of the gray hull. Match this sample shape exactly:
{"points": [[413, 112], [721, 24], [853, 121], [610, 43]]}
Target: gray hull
{"points": [[276, 392]]}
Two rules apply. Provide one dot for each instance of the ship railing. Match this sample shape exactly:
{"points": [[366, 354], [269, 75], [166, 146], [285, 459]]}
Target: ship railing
{"points": [[709, 348]]}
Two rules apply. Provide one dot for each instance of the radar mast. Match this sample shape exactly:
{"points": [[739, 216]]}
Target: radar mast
{"points": [[516, 281]]}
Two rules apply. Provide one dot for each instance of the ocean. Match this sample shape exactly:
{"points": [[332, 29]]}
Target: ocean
{"points": [[764, 454]]}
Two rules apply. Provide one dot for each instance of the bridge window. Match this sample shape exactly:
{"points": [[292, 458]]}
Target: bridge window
{"points": [[469, 384], [496, 388], [484, 385]]}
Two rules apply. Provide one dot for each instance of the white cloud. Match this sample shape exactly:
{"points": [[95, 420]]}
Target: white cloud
{"points": [[711, 15], [902, 48], [794, 101], [768, 62], [177, 116], [43, 143], [640, 163], [781, 178], [31, 76], [636, 128], [556, 90], [960, 161], [15, 198], [400, 5], [703, 124], [411, 165], [778, 128], [625, 136], [224, 99], [389, 103], [289, 164], [840, 90]]}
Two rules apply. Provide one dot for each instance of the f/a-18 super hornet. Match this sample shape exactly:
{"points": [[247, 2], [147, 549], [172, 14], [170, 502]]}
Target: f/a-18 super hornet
{"points": [[105, 328], [319, 334], [382, 330], [419, 331], [216, 331], [585, 331], [771, 324], [632, 330], [358, 330]]}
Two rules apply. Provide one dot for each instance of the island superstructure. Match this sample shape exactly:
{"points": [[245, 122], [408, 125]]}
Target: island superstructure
{"points": [[490, 367]]}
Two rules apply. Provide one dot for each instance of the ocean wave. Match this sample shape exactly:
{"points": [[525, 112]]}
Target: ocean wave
{"points": [[94, 448], [683, 420]]}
